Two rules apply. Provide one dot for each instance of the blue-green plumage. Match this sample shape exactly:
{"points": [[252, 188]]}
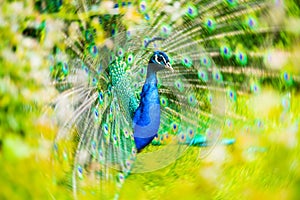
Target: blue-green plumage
{"points": [[120, 82]]}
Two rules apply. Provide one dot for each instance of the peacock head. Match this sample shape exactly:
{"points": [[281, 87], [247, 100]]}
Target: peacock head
{"points": [[160, 61]]}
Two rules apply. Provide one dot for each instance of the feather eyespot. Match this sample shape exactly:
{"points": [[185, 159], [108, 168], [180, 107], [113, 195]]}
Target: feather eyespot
{"points": [[191, 132], [121, 178], [182, 137], [79, 172]]}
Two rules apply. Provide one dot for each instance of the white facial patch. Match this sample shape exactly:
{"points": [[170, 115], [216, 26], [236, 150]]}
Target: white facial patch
{"points": [[156, 58], [164, 60]]}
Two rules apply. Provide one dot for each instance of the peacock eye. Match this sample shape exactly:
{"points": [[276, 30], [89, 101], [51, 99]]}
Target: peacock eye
{"points": [[159, 59]]}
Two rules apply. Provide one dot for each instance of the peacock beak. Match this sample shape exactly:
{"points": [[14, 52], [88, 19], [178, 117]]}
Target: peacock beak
{"points": [[168, 66]]}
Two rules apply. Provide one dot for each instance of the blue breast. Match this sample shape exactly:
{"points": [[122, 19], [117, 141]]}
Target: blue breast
{"points": [[146, 119]]}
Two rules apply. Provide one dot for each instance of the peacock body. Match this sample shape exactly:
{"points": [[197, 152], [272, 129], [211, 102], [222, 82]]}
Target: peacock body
{"points": [[115, 99]]}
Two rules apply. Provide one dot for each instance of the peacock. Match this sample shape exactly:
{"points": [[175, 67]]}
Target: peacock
{"points": [[140, 82]]}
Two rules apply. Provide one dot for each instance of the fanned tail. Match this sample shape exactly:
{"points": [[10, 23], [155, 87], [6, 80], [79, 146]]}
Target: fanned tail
{"points": [[222, 52]]}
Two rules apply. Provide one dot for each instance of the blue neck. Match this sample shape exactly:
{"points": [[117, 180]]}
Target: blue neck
{"points": [[151, 77], [146, 118]]}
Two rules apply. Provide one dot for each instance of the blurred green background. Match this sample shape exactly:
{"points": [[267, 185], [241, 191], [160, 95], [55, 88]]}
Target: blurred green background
{"points": [[263, 164]]}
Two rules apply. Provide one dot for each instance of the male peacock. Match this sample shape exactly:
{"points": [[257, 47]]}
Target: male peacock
{"points": [[117, 100]]}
